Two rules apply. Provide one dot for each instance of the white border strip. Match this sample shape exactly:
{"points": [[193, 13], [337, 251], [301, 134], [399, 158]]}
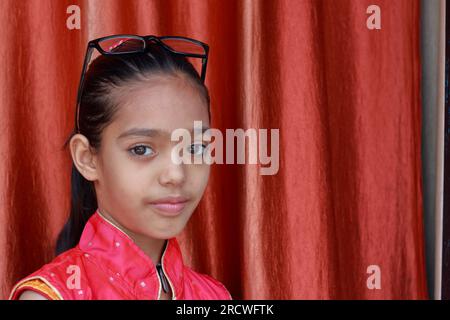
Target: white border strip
{"points": [[440, 148]]}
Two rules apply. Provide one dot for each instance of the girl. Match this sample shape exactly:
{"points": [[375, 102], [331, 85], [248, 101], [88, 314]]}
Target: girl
{"points": [[129, 199]]}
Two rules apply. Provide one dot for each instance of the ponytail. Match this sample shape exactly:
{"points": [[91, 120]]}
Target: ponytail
{"points": [[83, 205]]}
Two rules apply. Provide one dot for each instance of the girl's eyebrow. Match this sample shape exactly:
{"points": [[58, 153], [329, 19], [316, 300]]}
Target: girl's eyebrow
{"points": [[147, 132], [141, 132]]}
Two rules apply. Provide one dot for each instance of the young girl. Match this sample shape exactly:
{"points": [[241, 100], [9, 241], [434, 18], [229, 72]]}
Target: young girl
{"points": [[129, 198]]}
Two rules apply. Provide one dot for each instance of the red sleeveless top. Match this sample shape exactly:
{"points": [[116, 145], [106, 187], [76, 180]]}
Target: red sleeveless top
{"points": [[108, 265]]}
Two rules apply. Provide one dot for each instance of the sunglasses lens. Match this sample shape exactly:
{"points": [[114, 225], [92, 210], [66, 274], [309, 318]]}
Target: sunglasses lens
{"points": [[183, 46], [187, 47], [122, 45]]}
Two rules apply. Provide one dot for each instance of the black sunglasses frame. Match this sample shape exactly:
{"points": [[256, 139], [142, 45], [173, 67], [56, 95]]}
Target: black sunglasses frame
{"points": [[95, 44]]}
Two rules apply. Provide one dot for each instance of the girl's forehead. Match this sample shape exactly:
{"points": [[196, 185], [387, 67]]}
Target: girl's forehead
{"points": [[164, 89], [166, 106]]}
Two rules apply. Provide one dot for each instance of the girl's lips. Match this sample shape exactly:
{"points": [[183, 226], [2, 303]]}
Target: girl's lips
{"points": [[170, 206]]}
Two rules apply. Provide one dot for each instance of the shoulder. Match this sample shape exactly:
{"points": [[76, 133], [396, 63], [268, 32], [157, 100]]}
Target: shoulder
{"points": [[216, 289], [31, 295], [48, 281], [61, 266]]}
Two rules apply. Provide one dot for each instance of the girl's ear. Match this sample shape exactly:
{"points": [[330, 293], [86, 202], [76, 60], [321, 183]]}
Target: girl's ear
{"points": [[83, 157]]}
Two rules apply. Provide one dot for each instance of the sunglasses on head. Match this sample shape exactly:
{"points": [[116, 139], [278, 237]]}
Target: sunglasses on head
{"points": [[126, 44]]}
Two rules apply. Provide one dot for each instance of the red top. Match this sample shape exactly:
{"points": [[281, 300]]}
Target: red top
{"points": [[107, 264]]}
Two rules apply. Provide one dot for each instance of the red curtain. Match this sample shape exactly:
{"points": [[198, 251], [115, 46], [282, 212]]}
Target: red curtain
{"points": [[346, 99]]}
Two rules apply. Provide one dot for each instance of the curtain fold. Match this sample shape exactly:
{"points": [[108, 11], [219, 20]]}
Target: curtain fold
{"points": [[346, 99]]}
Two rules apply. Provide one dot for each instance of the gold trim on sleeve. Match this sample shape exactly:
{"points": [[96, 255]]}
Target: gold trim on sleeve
{"points": [[39, 284]]}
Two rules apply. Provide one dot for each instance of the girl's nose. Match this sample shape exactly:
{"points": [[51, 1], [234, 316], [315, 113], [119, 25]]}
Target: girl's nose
{"points": [[172, 174]]}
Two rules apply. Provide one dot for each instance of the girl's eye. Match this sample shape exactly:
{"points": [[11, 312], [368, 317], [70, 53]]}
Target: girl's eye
{"points": [[140, 150], [197, 148]]}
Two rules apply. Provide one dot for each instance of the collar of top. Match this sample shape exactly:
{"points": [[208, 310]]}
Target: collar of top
{"points": [[126, 262]]}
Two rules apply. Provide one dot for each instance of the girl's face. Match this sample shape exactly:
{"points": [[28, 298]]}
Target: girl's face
{"points": [[134, 170]]}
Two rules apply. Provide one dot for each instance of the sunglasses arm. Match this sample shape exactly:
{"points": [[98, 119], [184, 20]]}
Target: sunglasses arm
{"points": [[87, 58]]}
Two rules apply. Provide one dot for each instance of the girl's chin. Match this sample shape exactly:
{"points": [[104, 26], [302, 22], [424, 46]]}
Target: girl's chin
{"points": [[165, 233]]}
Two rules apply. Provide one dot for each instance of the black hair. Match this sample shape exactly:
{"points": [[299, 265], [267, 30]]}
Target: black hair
{"points": [[97, 109]]}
